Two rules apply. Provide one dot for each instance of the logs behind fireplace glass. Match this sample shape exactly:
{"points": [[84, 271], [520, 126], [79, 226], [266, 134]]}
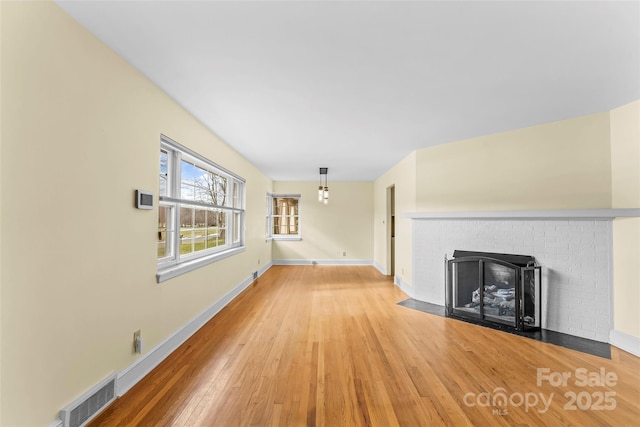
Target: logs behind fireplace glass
{"points": [[497, 289]]}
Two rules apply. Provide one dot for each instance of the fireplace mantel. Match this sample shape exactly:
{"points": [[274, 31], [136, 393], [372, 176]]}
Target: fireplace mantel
{"points": [[559, 214]]}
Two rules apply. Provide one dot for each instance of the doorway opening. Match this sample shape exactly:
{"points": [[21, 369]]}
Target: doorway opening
{"points": [[391, 230]]}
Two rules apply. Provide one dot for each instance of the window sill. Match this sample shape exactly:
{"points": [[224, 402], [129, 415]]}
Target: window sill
{"points": [[287, 237], [170, 272]]}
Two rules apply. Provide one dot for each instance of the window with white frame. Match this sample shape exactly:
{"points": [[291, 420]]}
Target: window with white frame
{"points": [[200, 211], [283, 216]]}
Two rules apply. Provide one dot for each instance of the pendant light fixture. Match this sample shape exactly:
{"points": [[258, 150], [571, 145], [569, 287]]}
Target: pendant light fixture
{"points": [[323, 189]]}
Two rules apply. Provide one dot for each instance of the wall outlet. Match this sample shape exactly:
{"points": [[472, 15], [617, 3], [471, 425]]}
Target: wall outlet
{"points": [[258, 261], [137, 342], [344, 253]]}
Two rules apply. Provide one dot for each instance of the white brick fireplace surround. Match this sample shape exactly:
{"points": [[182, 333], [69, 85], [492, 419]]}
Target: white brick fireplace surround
{"points": [[574, 249]]}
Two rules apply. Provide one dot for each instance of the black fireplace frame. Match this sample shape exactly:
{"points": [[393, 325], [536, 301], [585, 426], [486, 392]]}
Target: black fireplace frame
{"points": [[523, 267]]}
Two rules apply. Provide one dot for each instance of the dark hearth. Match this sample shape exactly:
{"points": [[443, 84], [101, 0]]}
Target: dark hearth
{"points": [[584, 345], [490, 288]]}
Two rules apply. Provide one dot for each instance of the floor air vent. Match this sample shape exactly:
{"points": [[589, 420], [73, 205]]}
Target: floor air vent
{"points": [[90, 404]]}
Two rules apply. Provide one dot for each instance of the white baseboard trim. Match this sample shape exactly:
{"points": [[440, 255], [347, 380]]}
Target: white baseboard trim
{"points": [[322, 262], [397, 280], [57, 423], [141, 367], [379, 267], [624, 341], [132, 374], [264, 268]]}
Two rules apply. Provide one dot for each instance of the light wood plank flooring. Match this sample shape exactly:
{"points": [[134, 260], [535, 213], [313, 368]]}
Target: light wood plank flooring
{"points": [[329, 346]]}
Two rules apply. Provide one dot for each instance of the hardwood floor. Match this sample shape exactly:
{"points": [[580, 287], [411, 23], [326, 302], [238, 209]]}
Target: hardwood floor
{"points": [[329, 346]]}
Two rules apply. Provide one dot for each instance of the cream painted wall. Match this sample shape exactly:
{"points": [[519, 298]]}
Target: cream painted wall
{"points": [[0, 209], [625, 155], [560, 165], [403, 177], [343, 225], [80, 131], [625, 167]]}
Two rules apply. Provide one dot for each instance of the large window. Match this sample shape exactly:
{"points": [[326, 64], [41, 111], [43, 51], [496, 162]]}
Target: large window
{"points": [[283, 216], [200, 212]]}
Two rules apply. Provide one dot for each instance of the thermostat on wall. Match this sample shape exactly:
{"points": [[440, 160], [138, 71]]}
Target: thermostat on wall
{"points": [[144, 199]]}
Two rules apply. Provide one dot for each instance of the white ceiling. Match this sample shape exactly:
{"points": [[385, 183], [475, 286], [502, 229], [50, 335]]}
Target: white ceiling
{"points": [[357, 85]]}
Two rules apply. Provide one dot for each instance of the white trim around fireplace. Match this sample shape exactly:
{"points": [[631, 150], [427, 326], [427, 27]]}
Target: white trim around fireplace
{"points": [[575, 254]]}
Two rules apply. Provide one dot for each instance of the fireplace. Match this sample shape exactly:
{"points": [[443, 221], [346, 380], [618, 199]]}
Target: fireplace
{"points": [[495, 289]]}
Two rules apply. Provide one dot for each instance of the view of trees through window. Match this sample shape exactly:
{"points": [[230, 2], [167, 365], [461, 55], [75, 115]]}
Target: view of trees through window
{"points": [[204, 211], [285, 218]]}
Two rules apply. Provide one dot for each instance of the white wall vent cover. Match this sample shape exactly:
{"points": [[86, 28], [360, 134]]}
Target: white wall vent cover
{"points": [[90, 404]]}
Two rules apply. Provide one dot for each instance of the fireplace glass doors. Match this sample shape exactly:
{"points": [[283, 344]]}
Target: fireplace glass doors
{"points": [[497, 289]]}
